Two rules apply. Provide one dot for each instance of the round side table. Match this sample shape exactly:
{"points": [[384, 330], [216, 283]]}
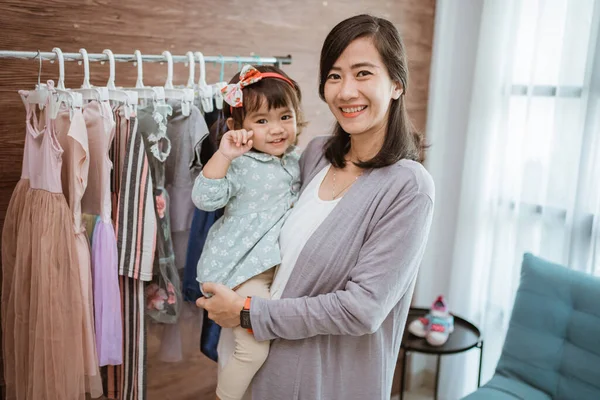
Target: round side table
{"points": [[465, 337]]}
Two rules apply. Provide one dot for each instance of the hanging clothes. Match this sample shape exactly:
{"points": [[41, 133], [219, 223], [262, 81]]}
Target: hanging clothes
{"points": [[163, 295], [44, 313], [186, 133], [10, 233], [201, 224], [74, 176], [97, 200], [136, 226], [202, 221], [128, 381], [133, 202]]}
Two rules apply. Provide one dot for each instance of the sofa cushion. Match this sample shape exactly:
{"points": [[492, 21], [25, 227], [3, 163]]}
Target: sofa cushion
{"points": [[503, 388], [553, 340]]}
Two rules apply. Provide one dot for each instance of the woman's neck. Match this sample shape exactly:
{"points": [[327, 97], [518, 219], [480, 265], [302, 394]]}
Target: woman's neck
{"points": [[364, 147]]}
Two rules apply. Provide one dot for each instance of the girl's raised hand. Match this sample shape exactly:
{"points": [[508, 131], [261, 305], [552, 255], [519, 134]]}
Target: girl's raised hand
{"points": [[236, 143]]}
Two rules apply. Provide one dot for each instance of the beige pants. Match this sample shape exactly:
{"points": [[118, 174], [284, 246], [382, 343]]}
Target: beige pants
{"points": [[249, 355]]}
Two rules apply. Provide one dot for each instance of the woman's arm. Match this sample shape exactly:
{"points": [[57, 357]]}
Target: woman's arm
{"points": [[387, 265]]}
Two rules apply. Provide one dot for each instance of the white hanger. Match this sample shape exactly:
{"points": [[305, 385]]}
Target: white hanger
{"points": [[62, 96], [205, 92], [111, 72], [192, 66], [86, 69], [39, 96], [88, 91], [143, 92], [169, 81], [126, 97], [217, 87], [61, 68], [185, 95]]}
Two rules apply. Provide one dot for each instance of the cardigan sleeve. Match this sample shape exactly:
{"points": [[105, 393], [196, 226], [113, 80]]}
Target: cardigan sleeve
{"points": [[387, 265]]}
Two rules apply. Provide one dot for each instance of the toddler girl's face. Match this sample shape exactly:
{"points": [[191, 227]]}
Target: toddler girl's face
{"points": [[274, 130]]}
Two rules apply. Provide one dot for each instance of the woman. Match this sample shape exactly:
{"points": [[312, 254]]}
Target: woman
{"points": [[352, 246]]}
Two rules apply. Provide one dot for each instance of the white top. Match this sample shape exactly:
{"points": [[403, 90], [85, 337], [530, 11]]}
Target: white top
{"points": [[308, 214]]}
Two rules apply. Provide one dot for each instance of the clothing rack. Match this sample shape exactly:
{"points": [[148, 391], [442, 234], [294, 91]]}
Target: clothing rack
{"points": [[152, 58]]}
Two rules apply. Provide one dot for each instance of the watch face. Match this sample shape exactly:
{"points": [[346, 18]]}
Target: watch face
{"points": [[245, 319]]}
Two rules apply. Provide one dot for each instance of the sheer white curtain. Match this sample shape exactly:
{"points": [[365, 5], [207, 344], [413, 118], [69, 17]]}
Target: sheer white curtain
{"points": [[530, 178]]}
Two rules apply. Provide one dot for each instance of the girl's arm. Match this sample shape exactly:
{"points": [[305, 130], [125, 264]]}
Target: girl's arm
{"points": [[217, 184], [385, 272], [217, 166]]}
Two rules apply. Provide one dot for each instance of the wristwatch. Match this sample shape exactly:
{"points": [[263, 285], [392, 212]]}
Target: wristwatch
{"points": [[245, 315]]}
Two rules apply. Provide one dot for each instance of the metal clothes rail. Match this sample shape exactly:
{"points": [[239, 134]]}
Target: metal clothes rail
{"points": [[152, 58]]}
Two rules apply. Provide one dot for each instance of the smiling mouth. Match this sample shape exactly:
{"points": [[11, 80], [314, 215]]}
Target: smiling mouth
{"points": [[278, 141], [352, 110]]}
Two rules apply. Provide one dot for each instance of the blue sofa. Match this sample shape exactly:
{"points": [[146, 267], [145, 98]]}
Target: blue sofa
{"points": [[552, 347]]}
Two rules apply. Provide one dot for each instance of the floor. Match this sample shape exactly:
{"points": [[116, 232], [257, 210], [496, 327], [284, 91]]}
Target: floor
{"points": [[181, 372]]}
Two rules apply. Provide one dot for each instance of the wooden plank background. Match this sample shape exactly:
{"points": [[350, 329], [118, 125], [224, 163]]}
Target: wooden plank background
{"points": [[227, 27]]}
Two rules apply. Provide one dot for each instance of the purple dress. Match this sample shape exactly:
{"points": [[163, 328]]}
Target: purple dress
{"points": [[105, 270]]}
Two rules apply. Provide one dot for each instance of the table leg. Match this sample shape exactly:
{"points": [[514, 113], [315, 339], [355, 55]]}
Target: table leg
{"points": [[402, 374], [480, 364], [437, 378]]}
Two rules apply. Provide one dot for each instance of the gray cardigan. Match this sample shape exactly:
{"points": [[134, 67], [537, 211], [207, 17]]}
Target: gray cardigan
{"points": [[338, 327]]}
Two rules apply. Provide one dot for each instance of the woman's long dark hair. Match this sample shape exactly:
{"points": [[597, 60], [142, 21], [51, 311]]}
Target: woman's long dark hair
{"points": [[401, 140]]}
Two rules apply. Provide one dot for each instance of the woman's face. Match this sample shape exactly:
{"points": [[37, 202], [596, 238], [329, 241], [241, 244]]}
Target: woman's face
{"points": [[359, 90]]}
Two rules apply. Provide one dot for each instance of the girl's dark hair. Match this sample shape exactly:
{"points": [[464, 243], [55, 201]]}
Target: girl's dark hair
{"points": [[276, 92], [401, 140]]}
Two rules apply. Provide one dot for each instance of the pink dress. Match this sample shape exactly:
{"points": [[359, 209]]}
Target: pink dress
{"points": [[97, 200], [10, 233], [43, 314], [73, 137]]}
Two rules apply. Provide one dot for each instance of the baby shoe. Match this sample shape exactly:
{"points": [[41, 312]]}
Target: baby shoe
{"points": [[441, 323], [439, 330], [419, 327]]}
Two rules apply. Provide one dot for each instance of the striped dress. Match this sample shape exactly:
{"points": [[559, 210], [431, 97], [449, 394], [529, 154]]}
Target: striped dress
{"points": [[136, 228]]}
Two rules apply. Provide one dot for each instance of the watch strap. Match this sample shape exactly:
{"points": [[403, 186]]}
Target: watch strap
{"points": [[245, 321]]}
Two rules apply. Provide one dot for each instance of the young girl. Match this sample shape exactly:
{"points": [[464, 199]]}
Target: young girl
{"points": [[255, 175]]}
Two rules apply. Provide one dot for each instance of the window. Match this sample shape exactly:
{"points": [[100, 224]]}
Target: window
{"points": [[549, 174]]}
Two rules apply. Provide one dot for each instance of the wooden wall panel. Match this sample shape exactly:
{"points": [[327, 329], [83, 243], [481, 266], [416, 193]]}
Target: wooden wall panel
{"points": [[228, 27]]}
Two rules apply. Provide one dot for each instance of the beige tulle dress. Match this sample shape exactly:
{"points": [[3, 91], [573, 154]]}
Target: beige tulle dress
{"points": [[42, 306]]}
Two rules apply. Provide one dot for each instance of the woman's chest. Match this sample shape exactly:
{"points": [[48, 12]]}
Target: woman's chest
{"points": [[328, 245]]}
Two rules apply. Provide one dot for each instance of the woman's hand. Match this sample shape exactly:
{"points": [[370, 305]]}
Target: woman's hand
{"points": [[224, 306], [235, 143]]}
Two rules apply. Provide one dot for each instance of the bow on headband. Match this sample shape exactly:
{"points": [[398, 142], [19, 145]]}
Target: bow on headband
{"points": [[232, 93]]}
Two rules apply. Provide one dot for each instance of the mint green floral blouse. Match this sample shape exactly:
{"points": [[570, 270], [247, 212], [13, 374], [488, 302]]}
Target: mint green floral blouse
{"points": [[257, 193]]}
